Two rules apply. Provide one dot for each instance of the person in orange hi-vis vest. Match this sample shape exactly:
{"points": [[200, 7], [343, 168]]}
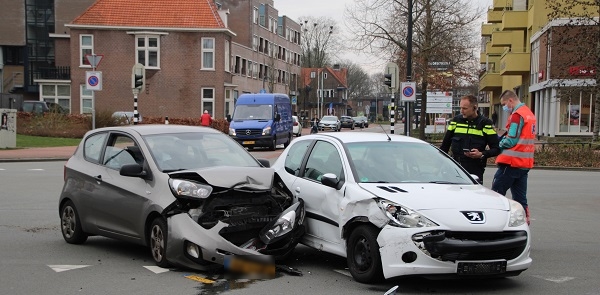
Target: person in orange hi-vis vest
{"points": [[206, 119], [518, 146]]}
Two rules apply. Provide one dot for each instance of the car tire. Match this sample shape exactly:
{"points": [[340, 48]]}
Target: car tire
{"points": [[362, 254], [352, 128], [158, 242], [362, 125], [70, 224], [288, 141], [273, 144]]}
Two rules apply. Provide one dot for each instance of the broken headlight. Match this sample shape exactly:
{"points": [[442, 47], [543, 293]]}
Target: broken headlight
{"points": [[283, 224], [517, 214], [186, 189], [402, 216]]}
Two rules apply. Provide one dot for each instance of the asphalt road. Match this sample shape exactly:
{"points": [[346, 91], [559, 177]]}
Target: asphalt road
{"points": [[34, 259]]}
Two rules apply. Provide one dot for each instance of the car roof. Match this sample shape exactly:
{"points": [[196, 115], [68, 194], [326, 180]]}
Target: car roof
{"points": [[349, 137], [151, 129]]}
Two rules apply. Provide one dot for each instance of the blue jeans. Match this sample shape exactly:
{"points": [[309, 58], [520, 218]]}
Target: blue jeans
{"points": [[514, 178]]}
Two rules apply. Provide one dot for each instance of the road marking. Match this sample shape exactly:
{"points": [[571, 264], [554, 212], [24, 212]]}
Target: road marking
{"points": [[556, 279], [61, 268], [343, 271], [156, 269], [199, 279], [35, 169]]}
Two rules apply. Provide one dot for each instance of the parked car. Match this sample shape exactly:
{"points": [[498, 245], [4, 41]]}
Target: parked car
{"points": [[347, 122], [125, 118], [190, 193], [361, 121], [40, 107], [297, 128], [398, 206], [330, 123]]}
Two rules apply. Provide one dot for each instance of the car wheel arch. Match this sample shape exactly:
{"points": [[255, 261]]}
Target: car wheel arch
{"points": [[353, 224]]}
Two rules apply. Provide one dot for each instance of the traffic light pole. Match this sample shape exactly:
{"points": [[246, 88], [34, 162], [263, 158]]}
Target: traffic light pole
{"points": [[392, 108], [135, 106]]}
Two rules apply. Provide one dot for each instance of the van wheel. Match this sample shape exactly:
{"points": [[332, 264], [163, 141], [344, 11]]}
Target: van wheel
{"points": [[288, 141], [273, 144]]}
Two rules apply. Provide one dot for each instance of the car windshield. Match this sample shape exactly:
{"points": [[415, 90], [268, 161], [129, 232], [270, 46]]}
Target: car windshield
{"points": [[253, 112], [183, 151], [394, 162], [329, 118]]}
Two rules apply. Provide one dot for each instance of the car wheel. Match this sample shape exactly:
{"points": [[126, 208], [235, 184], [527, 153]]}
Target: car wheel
{"points": [[273, 144], [70, 224], [362, 125], [158, 242], [352, 128], [364, 261], [288, 141]]}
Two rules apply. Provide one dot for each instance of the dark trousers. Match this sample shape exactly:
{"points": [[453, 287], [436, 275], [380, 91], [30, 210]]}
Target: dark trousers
{"points": [[514, 179], [473, 167]]}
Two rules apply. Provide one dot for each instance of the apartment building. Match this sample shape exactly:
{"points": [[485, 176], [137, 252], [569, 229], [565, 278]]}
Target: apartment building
{"points": [[518, 53]]}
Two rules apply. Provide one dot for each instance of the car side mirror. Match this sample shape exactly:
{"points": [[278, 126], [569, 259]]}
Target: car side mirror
{"points": [[278, 117], [475, 177], [331, 180], [264, 162], [133, 170]]}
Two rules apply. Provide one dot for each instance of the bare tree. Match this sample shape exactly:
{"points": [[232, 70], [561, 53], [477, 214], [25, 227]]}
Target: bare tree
{"points": [[444, 30], [320, 41], [359, 84], [577, 37]]}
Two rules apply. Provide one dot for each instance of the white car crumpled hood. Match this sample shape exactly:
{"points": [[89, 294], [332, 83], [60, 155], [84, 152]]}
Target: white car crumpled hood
{"points": [[429, 196]]}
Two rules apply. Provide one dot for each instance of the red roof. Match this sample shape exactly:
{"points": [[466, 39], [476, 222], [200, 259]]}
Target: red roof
{"points": [[340, 75], [152, 13]]}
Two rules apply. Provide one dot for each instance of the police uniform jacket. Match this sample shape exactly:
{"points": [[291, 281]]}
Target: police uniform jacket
{"points": [[477, 134]]}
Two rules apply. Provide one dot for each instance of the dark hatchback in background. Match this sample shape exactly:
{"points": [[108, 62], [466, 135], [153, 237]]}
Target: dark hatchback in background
{"points": [[347, 122], [192, 194], [361, 121]]}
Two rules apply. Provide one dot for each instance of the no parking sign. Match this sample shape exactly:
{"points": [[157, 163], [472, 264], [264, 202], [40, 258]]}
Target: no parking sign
{"points": [[93, 80]]}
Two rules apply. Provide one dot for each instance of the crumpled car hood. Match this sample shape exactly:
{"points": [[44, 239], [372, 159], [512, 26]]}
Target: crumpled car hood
{"points": [[428, 196], [257, 178]]}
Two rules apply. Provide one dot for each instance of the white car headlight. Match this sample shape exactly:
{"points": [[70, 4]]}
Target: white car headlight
{"points": [[267, 131], [188, 189], [517, 214], [231, 131], [402, 216]]}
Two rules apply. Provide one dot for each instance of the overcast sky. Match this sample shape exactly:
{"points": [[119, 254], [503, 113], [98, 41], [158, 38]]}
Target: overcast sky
{"points": [[334, 9]]}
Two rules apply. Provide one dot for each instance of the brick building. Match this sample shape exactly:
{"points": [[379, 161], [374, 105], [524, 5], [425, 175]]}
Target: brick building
{"points": [[324, 91]]}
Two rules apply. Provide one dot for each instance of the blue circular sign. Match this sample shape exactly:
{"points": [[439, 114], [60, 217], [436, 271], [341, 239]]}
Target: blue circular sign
{"points": [[408, 91], [93, 80]]}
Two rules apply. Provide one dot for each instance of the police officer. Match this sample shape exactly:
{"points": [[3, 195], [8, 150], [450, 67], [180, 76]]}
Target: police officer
{"points": [[472, 138]]}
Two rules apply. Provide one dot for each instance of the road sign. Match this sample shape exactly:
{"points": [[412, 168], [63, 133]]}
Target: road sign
{"points": [[294, 100], [392, 69], [439, 103], [93, 80], [94, 59], [408, 89]]}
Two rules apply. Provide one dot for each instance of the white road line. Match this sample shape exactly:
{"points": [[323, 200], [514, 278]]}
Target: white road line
{"points": [[156, 269], [343, 271], [556, 279], [35, 169], [61, 268]]}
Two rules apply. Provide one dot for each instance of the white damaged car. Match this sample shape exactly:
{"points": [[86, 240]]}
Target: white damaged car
{"points": [[396, 206]]}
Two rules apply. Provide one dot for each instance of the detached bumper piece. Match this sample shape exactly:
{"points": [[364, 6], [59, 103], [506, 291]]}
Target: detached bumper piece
{"points": [[469, 246]]}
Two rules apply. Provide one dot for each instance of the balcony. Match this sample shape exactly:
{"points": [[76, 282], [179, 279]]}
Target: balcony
{"points": [[487, 29], [493, 50], [502, 4], [515, 63], [494, 16], [514, 20], [53, 73], [508, 38], [490, 81]]}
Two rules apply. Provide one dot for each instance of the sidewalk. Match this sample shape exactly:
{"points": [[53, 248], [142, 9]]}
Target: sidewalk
{"points": [[62, 153]]}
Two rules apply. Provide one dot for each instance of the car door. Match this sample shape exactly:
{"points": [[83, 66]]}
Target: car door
{"points": [[322, 203], [120, 203]]}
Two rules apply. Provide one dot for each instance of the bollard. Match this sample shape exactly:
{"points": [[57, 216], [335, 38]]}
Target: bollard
{"points": [[167, 120]]}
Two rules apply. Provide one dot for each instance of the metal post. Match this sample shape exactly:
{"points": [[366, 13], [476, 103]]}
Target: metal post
{"points": [[167, 120], [391, 114], [408, 121], [93, 94], [135, 105]]}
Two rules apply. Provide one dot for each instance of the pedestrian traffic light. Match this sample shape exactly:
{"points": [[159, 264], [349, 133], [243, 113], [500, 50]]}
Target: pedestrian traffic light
{"points": [[138, 78], [389, 80]]}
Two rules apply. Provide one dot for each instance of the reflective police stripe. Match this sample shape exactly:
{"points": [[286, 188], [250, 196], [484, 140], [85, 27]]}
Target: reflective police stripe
{"points": [[526, 141], [463, 130], [523, 155]]}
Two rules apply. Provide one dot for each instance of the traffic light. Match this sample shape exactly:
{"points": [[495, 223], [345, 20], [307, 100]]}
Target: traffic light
{"points": [[138, 81], [389, 80], [138, 78]]}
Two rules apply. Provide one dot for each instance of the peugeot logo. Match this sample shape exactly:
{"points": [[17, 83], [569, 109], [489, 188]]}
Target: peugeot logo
{"points": [[474, 216], [248, 132]]}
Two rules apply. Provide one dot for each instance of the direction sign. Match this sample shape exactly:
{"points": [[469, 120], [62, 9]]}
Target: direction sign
{"points": [[93, 80], [408, 90]]}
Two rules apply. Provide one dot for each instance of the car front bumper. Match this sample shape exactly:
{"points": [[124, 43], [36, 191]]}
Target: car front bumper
{"points": [[398, 250], [328, 127]]}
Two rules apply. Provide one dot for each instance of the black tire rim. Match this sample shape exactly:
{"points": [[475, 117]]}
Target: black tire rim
{"points": [[362, 255]]}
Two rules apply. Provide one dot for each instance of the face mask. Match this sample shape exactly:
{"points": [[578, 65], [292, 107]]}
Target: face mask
{"points": [[506, 108]]}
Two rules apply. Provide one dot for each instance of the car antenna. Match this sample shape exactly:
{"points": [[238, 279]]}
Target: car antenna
{"points": [[389, 139]]}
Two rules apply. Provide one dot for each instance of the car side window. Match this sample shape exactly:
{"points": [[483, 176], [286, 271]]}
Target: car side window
{"points": [[293, 159], [92, 147], [121, 150], [324, 158]]}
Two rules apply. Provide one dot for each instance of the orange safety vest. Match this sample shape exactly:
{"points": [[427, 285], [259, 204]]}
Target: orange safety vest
{"points": [[521, 155]]}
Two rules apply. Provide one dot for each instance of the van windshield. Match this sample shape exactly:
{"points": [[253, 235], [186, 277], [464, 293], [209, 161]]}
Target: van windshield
{"points": [[253, 112]]}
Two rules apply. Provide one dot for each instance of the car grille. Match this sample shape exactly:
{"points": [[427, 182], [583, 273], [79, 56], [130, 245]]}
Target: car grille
{"points": [[248, 132], [465, 246]]}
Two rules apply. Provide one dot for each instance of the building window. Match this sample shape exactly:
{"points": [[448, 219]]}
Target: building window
{"points": [[57, 93], [227, 57], [208, 53], [228, 102], [148, 51], [86, 46], [208, 100], [255, 15], [86, 97], [254, 42]]}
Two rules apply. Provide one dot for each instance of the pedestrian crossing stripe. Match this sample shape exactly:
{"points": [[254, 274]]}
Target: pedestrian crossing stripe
{"points": [[199, 279], [61, 268], [156, 269]]}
